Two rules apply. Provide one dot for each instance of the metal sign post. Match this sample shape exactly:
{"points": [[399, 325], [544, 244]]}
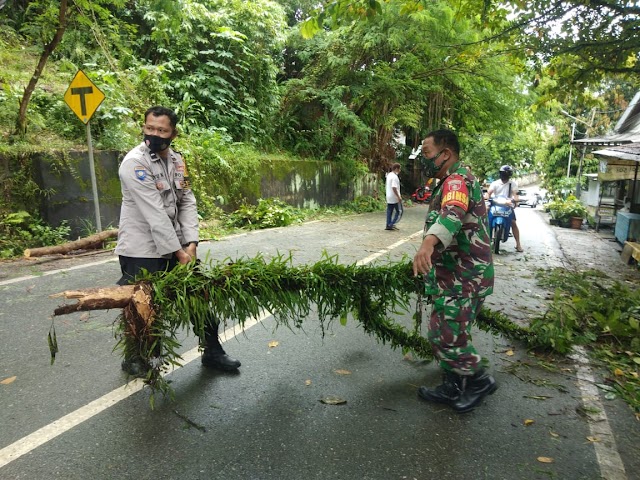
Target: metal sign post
{"points": [[84, 98]]}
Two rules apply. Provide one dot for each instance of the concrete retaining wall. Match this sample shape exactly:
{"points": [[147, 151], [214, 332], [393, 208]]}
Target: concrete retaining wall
{"points": [[69, 196]]}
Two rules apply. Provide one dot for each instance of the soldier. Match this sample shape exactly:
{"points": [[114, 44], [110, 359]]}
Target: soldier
{"points": [[159, 221], [455, 259]]}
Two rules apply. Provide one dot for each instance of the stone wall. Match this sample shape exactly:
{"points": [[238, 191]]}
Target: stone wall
{"points": [[301, 184]]}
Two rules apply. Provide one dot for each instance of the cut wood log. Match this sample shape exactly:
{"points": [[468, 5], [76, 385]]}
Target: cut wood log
{"points": [[82, 243], [105, 298]]}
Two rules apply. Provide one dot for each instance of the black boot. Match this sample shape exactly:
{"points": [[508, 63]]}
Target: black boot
{"points": [[219, 359], [474, 389], [214, 355], [448, 392], [462, 393]]}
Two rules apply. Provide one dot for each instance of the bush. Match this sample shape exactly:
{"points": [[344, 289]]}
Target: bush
{"points": [[267, 213], [20, 230]]}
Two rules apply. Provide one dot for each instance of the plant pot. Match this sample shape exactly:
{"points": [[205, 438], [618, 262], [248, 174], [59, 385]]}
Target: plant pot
{"points": [[575, 222]]}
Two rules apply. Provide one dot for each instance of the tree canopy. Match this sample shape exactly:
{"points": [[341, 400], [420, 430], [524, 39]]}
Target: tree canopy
{"points": [[345, 81]]}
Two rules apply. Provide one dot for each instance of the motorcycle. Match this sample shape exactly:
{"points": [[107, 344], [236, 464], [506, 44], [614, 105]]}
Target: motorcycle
{"points": [[421, 194], [500, 211]]}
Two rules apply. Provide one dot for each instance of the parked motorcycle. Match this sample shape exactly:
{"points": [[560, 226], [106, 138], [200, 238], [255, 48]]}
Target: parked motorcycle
{"points": [[421, 194], [500, 211]]}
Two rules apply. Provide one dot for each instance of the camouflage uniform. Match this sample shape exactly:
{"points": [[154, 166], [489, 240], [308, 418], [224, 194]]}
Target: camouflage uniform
{"points": [[462, 273]]}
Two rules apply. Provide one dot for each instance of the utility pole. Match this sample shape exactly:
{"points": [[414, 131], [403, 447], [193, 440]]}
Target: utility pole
{"points": [[584, 148], [589, 125], [573, 131]]}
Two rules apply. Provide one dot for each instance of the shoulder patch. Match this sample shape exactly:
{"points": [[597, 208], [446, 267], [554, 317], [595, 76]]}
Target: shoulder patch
{"points": [[141, 172], [455, 192]]}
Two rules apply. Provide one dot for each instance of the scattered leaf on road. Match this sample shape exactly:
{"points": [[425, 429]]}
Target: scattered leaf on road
{"points": [[342, 372], [273, 343], [545, 459], [84, 317], [510, 353], [618, 372], [307, 382], [528, 422], [333, 400], [9, 380], [593, 439], [553, 434]]}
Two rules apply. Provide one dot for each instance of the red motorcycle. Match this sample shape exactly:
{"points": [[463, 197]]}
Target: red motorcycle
{"points": [[421, 195]]}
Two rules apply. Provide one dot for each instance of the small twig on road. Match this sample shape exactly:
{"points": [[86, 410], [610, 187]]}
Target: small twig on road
{"points": [[189, 421]]}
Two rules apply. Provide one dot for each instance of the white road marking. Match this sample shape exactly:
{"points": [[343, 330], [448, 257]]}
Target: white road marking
{"points": [[379, 253], [75, 418], [63, 424], [54, 272], [611, 466]]}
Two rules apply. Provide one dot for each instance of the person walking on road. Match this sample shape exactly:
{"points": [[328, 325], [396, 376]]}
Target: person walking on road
{"points": [[505, 187], [456, 263], [159, 221], [394, 200]]}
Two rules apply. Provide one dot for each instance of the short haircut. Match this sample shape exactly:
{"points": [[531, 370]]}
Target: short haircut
{"points": [[159, 111], [445, 139], [394, 166]]}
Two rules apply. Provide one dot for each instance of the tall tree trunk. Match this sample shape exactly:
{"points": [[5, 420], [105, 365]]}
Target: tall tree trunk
{"points": [[21, 123]]}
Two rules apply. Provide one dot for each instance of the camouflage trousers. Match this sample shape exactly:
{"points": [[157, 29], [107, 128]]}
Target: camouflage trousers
{"points": [[450, 333]]}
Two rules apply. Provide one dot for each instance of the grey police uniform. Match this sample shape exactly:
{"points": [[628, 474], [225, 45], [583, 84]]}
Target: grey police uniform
{"points": [[158, 213]]}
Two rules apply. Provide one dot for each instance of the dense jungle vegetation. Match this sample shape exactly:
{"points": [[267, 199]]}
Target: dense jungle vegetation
{"points": [[344, 81]]}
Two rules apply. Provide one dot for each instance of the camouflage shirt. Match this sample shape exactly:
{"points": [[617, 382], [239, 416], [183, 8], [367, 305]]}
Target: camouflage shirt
{"points": [[462, 261]]}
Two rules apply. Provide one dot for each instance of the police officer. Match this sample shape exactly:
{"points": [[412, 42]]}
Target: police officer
{"points": [[159, 220], [455, 259]]}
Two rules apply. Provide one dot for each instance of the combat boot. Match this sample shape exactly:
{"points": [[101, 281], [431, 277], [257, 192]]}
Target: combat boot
{"points": [[217, 358], [462, 393], [473, 389], [448, 392]]}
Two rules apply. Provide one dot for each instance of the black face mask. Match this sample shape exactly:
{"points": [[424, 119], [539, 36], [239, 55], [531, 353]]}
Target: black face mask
{"points": [[155, 143]]}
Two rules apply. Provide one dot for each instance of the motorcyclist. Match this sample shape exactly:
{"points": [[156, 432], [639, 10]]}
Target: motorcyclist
{"points": [[508, 188]]}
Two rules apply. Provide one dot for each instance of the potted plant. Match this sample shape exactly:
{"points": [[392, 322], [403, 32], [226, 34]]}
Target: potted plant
{"points": [[567, 212]]}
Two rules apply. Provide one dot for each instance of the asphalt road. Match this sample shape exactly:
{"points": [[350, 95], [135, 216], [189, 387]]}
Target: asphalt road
{"points": [[78, 418]]}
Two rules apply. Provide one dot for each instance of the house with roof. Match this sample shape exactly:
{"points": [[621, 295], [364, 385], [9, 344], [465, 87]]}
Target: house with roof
{"points": [[613, 195]]}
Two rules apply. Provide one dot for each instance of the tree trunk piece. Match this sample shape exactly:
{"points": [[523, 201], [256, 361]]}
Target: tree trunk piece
{"points": [[21, 122], [105, 298], [83, 243]]}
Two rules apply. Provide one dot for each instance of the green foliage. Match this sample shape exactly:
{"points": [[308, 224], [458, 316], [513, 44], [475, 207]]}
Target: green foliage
{"points": [[364, 204], [240, 289], [217, 164], [268, 213], [564, 209], [409, 70], [219, 60], [20, 230], [591, 309]]}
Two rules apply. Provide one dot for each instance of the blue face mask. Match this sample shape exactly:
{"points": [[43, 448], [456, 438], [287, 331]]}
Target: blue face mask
{"points": [[430, 169]]}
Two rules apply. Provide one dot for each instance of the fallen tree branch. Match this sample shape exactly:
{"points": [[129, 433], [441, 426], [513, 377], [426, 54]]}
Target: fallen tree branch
{"points": [[93, 241], [160, 305]]}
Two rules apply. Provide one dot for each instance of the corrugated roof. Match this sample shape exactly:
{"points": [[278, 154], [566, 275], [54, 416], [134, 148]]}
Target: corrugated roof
{"points": [[629, 151]]}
